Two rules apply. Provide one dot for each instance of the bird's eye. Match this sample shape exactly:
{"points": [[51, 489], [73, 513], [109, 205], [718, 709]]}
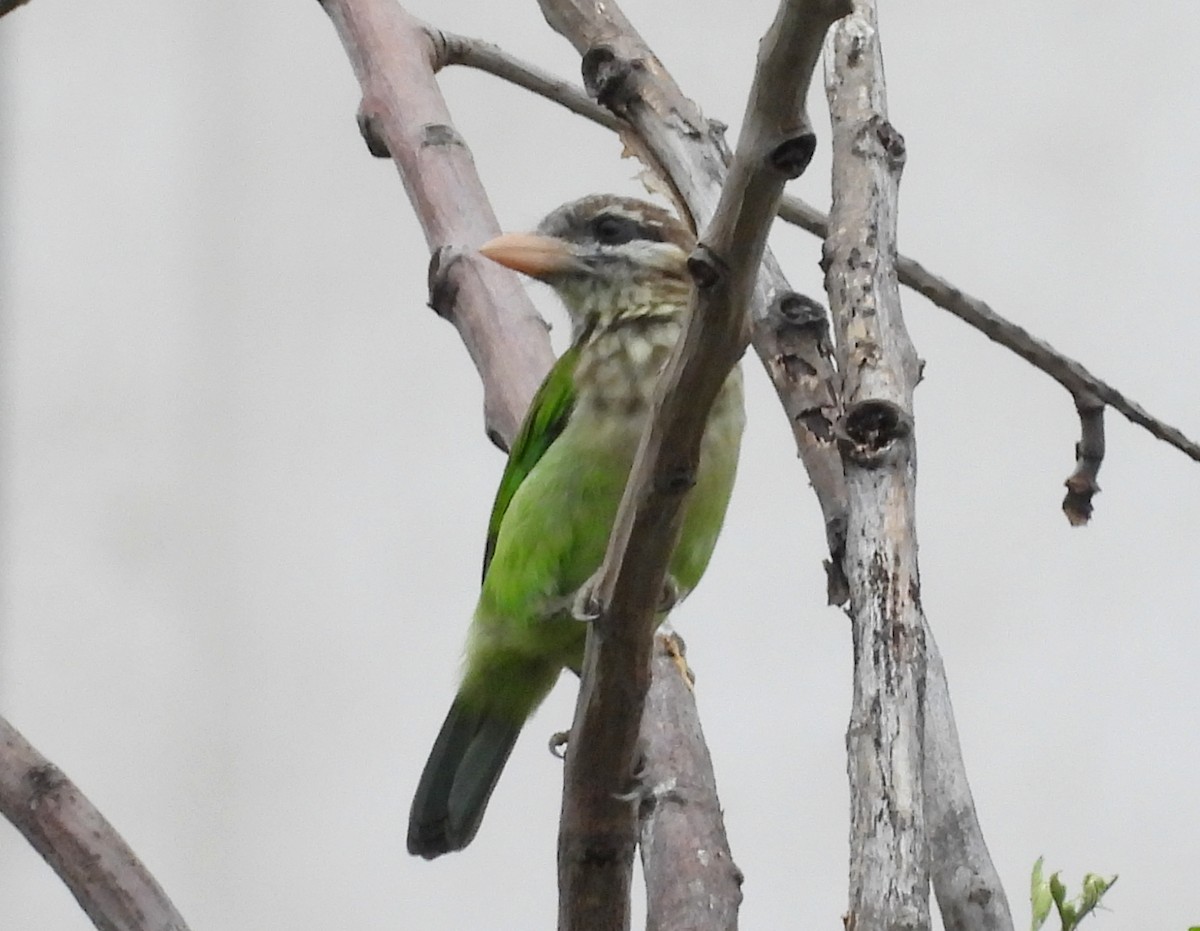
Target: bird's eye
{"points": [[611, 230]]}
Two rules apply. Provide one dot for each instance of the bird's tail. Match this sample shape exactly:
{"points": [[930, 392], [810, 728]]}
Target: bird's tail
{"points": [[463, 767]]}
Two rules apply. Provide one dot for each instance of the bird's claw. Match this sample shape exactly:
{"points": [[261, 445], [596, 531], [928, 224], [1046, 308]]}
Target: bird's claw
{"points": [[558, 743], [585, 606]]}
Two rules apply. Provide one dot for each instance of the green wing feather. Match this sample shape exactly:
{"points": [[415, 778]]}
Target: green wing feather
{"points": [[547, 415]]}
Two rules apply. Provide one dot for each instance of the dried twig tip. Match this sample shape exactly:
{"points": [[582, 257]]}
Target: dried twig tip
{"points": [[799, 310]]}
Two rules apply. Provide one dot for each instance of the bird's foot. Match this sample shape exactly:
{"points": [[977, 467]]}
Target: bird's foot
{"points": [[558, 744], [585, 606]]}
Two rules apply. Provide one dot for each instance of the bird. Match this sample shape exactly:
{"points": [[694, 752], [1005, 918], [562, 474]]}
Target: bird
{"points": [[619, 265]]}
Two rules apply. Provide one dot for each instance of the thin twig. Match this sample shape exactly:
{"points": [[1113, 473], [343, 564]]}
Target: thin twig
{"points": [[1089, 454], [453, 49], [475, 53], [1066, 371], [87, 853]]}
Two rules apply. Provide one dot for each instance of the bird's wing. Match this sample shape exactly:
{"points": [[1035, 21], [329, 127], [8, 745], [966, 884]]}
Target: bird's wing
{"points": [[547, 415]]}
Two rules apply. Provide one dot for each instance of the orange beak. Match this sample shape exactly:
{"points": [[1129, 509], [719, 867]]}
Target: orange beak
{"points": [[530, 254]]}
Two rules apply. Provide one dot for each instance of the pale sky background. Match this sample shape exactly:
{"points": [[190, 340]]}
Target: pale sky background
{"points": [[245, 485]]}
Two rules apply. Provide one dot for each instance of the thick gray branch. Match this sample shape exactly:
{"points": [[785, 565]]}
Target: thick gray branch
{"points": [[597, 824], [691, 879], [889, 856], [403, 115], [966, 883], [689, 151], [110, 883]]}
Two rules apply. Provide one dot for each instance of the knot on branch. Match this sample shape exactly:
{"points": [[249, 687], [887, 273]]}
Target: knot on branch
{"points": [[666, 793], [368, 128], [42, 781], [596, 848], [676, 479], [706, 267], [439, 134], [609, 77], [792, 156], [443, 291], [879, 135], [793, 309], [870, 429]]}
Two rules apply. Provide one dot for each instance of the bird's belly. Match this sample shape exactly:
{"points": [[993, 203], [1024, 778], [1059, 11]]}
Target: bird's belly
{"points": [[555, 533]]}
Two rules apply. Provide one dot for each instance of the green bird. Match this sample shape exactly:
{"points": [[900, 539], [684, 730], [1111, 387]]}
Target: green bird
{"points": [[619, 266]]}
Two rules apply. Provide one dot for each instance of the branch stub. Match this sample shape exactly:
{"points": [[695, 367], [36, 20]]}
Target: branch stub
{"points": [[366, 126], [792, 156], [870, 429], [706, 267], [606, 75]]}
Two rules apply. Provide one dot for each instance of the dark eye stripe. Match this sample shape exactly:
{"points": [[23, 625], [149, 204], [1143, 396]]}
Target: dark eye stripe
{"points": [[612, 229]]}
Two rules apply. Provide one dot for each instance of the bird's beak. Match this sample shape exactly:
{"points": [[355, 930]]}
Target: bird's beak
{"points": [[537, 256]]}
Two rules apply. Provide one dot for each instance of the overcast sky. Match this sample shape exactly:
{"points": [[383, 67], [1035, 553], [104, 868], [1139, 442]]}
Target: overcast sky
{"points": [[245, 483]]}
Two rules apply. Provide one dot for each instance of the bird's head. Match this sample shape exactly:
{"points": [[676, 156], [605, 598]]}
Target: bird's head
{"points": [[605, 256]]}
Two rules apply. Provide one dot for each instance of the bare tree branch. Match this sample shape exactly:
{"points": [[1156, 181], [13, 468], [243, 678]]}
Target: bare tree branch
{"points": [[889, 856], [87, 853], [691, 879], [1067, 372], [969, 893], [676, 140], [453, 49], [1089, 454], [1087, 390], [404, 115], [597, 829]]}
